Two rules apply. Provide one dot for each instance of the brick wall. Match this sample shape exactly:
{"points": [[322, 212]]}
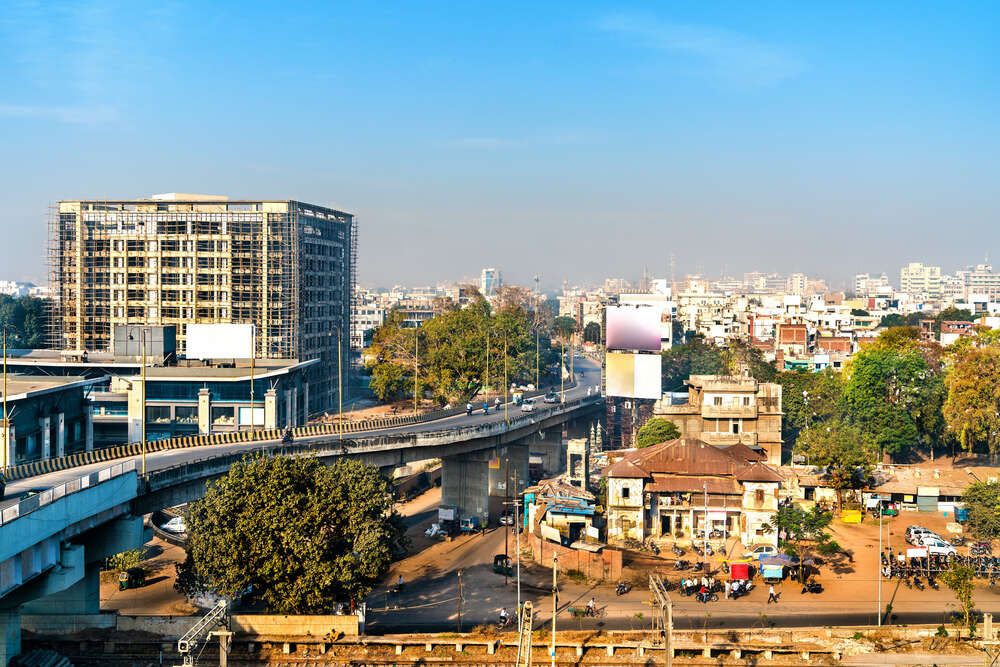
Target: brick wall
{"points": [[605, 565]]}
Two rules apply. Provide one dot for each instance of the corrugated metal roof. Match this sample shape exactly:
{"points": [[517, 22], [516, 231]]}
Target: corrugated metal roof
{"points": [[692, 484]]}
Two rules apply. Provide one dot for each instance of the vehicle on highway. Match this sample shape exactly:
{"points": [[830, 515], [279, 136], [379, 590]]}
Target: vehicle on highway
{"points": [[134, 577], [551, 397], [528, 406], [175, 526], [506, 519], [761, 550], [502, 565]]}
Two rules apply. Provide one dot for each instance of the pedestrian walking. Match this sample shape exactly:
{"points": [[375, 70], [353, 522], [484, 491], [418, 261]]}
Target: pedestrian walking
{"points": [[771, 595], [727, 590]]}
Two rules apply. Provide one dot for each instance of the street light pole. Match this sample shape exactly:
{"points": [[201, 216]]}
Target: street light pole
{"points": [[505, 398], [555, 605], [562, 380], [416, 365], [340, 384], [6, 426], [704, 486], [142, 339], [878, 608]]}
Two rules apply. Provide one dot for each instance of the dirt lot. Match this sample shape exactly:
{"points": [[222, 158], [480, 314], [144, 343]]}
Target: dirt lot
{"points": [[158, 595]]}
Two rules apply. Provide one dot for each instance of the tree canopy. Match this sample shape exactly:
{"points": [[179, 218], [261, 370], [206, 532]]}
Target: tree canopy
{"points": [[298, 535], [26, 319], [655, 431], [457, 353], [592, 332], [982, 499], [803, 531], [972, 406]]}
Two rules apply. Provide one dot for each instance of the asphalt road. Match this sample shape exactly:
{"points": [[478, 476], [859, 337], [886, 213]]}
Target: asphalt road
{"points": [[171, 457]]}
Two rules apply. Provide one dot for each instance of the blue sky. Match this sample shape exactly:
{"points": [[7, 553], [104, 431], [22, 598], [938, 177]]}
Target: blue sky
{"points": [[574, 140]]}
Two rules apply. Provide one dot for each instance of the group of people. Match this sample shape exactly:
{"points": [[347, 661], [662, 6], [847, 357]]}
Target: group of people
{"points": [[486, 407]]}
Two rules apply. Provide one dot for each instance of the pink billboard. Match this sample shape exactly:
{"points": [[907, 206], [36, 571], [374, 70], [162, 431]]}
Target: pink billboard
{"points": [[633, 328]]}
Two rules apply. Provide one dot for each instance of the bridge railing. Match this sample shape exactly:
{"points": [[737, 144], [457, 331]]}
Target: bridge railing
{"points": [[43, 498]]}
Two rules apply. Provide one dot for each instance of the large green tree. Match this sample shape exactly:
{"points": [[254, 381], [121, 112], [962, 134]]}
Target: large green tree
{"points": [[982, 499], [961, 580], [655, 431], [695, 357], [592, 333], [803, 531], [26, 319], [296, 534], [972, 407]]}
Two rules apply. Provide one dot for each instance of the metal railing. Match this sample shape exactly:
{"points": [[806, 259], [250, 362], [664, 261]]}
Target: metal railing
{"points": [[48, 496]]}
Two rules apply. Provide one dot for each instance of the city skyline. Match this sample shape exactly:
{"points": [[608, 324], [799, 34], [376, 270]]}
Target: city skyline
{"points": [[575, 143]]}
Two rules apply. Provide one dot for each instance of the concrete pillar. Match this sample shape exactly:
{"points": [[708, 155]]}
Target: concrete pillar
{"points": [[204, 411], [46, 424], [10, 635], [289, 416], [88, 445], [294, 421], [305, 399], [271, 409], [136, 402], [465, 483], [8, 449], [83, 597], [61, 435]]}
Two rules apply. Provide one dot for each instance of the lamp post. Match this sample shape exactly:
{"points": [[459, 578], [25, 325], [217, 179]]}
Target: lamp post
{"points": [[142, 341], [6, 427], [562, 380], [505, 385], [416, 366]]}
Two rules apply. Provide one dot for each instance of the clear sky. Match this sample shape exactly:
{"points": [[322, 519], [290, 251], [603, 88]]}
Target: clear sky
{"points": [[574, 140]]}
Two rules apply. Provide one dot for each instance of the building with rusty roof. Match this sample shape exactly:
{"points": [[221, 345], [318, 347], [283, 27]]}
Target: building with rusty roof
{"points": [[685, 486]]}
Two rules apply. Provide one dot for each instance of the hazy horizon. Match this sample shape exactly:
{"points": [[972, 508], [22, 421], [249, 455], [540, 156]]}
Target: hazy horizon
{"points": [[579, 142]]}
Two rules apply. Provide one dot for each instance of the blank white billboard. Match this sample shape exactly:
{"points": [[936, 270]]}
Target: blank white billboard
{"points": [[633, 328], [219, 341], [633, 375]]}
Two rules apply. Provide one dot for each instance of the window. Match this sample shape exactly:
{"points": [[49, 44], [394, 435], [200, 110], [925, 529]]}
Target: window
{"points": [[625, 491], [758, 496], [186, 414], [717, 401], [736, 427], [746, 401]]}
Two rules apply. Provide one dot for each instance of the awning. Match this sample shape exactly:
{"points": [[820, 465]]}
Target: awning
{"points": [[739, 571]]}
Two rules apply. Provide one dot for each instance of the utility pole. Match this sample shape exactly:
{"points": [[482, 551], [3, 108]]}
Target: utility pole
{"points": [[416, 365], [459, 600], [562, 380], [704, 486], [340, 386], [6, 426], [555, 604], [506, 504], [878, 608], [505, 386], [253, 346], [517, 534], [538, 385]]}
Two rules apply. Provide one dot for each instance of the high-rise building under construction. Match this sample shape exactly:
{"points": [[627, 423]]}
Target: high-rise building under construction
{"points": [[285, 266]]}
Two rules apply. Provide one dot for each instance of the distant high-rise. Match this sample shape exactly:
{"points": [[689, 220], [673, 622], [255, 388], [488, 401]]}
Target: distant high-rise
{"points": [[490, 282], [285, 266], [915, 278]]}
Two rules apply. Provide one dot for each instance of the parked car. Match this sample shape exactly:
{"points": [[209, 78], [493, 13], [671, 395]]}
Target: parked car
{"points": [[551, 397], [506, 519], [761, 550], [916, 533], [528, 406], [938, 547], [469, 524], [176, 526]]}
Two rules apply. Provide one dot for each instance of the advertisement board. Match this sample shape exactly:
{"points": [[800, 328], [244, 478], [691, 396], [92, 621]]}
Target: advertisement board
{"points": [[219, 341], [633, 375], [633, 328], [255, 418]]}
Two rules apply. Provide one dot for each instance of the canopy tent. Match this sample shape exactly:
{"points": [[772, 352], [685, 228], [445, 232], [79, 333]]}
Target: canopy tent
{"points": [[739, 571]]}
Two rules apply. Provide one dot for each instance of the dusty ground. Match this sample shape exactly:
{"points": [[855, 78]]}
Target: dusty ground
{"points": [[158, 595]]}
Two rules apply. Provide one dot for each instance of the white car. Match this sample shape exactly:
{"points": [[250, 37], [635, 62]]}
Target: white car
{"points": [[760, 551], [506, 519], [176, 526], [938, 547], [433, 530], [528, 406]]}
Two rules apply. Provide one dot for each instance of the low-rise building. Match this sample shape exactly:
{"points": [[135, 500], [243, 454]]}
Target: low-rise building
{"points": [[684, 487]]}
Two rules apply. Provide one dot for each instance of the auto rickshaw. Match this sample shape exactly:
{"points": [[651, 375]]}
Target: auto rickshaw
{"points": [[134, 577], [501, 565]]}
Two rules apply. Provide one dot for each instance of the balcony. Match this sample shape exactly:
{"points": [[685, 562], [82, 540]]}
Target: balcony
{"points": [[725, 439], [729, 411]]}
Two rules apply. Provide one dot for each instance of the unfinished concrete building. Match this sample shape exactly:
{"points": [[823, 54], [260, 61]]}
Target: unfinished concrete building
{"points": [[285, 266]]}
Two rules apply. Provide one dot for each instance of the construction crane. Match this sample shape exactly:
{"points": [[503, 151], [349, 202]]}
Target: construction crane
{"points": [[524, 638], [203, 630]]}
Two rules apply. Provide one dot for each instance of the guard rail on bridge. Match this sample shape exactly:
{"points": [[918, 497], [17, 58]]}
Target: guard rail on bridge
{"points": [[32, 503]]}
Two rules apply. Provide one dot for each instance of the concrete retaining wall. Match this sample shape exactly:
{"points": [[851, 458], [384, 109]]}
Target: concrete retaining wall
{"points": [[261, 625]]}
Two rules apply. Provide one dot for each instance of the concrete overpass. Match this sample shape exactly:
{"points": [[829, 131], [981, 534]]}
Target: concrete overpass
{"points": [[52, 544]]}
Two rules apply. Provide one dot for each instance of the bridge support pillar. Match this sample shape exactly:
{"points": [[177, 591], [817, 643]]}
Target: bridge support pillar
{"points": [[61, 435], [88, 444], [83, 597], [10, 635], [204, 411], [465, 483], [271, 409], [8, 453], [46, 425], [517, 454]]}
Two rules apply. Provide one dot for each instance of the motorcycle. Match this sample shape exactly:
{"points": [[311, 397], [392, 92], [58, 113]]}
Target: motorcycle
{"points": [[504, 622], [286, 438], [681, 564], [933, 583], [652, 547], [677, 550], [707, 597], [918, 584], [698, 567], [715, 534], [812, 587], [623, 588]]}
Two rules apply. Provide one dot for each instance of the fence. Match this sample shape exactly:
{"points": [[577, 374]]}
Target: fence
{"points": [[32, 503]]}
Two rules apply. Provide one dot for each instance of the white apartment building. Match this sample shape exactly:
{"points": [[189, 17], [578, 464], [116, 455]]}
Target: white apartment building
{"points": [[915, 278]]}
